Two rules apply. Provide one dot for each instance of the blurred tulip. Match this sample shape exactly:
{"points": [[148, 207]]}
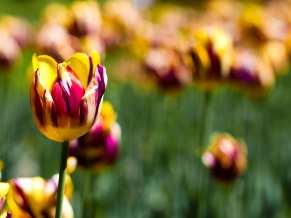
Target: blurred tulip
{"points": [[36, 197], [18, 29], [225, 157], [86, 18], [98, 149], [57, 14], [121, 19], [4, 188], [211, 51], [275, 53], [250, 73], [93, 42], [168, 68], [54, 40], [251, 21], [9, 50], [66, 98]]}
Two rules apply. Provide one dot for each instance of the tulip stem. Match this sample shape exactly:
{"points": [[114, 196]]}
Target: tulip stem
{"points": [[88, 198], [62, 179], [205, 126]]}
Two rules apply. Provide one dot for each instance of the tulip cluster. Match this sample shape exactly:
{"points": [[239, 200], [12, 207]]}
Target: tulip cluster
{"points": [[98, 149], [225, 157], [222, 43], [65, 30]]}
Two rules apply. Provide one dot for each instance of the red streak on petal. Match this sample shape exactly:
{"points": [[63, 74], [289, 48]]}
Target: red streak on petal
{"points": [[38, 105], [59, 98]]}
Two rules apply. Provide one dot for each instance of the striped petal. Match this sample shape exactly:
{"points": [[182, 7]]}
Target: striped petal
{"points": [[93, 97], [47, 67], [35, 197]]}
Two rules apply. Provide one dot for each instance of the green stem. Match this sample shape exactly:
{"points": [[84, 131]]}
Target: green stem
{"points": [[205, 125], [88, 197], [62, 179], [205, 118]]}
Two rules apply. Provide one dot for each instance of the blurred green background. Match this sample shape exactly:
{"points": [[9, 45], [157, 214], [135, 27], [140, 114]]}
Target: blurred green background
{"points": [[159, 172]]}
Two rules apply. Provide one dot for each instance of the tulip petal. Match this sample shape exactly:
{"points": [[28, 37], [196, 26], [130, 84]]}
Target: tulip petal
{"points": [[47, 67], [81, 65], [95, 59], [94, 94]]}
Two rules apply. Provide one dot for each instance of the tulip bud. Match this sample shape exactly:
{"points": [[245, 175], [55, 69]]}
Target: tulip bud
{"points": [[65, 98], [35, 197], [225, 157], [98, 149]]}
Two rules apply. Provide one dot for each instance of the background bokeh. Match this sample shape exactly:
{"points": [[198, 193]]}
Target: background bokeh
{"points": [[159, 172]]}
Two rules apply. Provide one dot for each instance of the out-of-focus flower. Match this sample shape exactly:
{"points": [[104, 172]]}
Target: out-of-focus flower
{"points": [[98, 149], [121, 19], [57, 14], [86, 18], [66, 98], [211, 51], [4, 188], [18, 29], [9, 50], [250, 73], [36, 197], [55, 41], [93, 42], [225, 157], [168, 68], [275, 53], [250, 22]]}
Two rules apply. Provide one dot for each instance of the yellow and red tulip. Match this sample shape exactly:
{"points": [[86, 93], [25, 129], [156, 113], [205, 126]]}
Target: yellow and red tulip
{"points": [[65, 98], [36, 197], [211, 51], [98, 149]]}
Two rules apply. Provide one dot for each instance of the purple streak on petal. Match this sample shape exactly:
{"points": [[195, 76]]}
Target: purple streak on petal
{"points": [[101, 89], [91, 70], [54, 114], [83, 107], [9, 215], [38, 104], [215, 69]]}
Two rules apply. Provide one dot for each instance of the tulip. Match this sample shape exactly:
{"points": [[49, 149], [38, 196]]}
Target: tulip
{"points": [[250, 72], [65, 98], [4, 188], [36, 197], [225, 157], [167, 67], [98, 149], [211, 51]]}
